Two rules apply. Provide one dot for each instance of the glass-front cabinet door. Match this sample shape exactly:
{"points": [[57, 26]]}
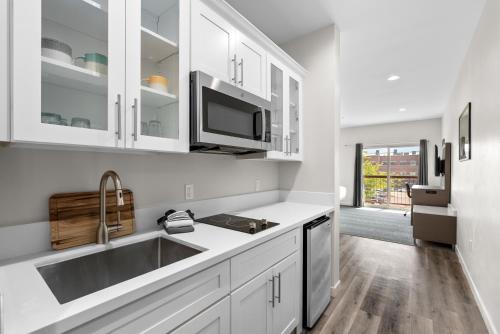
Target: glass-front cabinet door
{"points": [[276, 93], [69, 72], [294, 147], [157, 77], [277, 108]]}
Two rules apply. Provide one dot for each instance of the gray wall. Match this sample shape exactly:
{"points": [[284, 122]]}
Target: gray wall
{"points": [[475, 182], [317, 52], [28, 178]]}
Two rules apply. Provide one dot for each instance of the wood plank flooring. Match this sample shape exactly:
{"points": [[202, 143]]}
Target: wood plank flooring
{"points": [[392, 288]]}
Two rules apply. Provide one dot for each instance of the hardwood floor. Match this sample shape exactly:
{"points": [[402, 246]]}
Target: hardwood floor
{"points": [[392, 288]]}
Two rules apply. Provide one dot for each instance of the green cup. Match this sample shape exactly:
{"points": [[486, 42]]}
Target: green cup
{"points": [[95, 62]]}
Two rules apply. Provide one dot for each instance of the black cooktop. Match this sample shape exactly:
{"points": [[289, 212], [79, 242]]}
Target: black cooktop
{"points": [[241, 224]]}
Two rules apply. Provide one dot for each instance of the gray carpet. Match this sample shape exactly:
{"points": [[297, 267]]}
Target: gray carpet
{"points": [[373, 223]]}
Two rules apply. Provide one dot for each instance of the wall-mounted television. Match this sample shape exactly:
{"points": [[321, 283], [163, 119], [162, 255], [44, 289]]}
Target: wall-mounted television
{"points": [[438, 163]]}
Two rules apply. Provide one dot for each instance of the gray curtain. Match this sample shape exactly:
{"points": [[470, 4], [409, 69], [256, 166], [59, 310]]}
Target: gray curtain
{"points": [[423, 173], [358, 177]]}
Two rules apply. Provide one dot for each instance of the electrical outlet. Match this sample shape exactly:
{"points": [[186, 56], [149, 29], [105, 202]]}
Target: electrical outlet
{"points": [[257, 185], [189, 191]]}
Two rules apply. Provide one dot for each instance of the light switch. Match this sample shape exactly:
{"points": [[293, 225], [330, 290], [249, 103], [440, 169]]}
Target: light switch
{"points": [[257, 185], [189, 191]]}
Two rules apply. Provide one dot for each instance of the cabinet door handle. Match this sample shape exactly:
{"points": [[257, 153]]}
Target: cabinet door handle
{"points": [[235, 67], [241, 68], [134, 109], [279, 288], [118, 105], [272, 292]]}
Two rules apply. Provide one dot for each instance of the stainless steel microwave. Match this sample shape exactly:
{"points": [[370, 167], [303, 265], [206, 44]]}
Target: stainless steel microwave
{"points": [[226, 119]]}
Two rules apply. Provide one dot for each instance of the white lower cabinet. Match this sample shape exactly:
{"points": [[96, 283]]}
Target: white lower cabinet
{"points": [[238, 296], [215, 320], [286, 310], [268, 304], [251, 310], [165, 309]]}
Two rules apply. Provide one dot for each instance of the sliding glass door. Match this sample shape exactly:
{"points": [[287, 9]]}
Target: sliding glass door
{"points": [[386, 171]]}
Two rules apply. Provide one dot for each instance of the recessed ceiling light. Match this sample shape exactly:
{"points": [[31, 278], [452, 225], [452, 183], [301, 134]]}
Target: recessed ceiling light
{"points": [[393, 77], [402, 109]]}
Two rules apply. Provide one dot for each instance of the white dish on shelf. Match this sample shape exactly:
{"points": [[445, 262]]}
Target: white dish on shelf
{"points": [[57, 50]]}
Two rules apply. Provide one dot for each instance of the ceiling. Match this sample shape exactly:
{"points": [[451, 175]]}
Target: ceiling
{"points": [[424, 42]]}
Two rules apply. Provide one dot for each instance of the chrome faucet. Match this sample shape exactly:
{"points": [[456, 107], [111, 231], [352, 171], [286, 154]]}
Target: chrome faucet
{"points": [[104, 230]]}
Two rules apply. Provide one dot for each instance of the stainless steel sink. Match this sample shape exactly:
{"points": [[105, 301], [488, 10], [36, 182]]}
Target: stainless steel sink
{"points": [[84, 275]]}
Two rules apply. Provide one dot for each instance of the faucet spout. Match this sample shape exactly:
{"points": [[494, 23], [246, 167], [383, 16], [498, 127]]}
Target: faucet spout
{"points": [[104, 230]]}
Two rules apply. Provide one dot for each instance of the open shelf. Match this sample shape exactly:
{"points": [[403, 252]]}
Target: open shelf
{"points": [[67, 75], [157, 99], [156, 47], [86, 16]]}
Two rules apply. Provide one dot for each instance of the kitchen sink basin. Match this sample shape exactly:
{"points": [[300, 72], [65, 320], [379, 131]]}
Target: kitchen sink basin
{"points": [[78, 277]]}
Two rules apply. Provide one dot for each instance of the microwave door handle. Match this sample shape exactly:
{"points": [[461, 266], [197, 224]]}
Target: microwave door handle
{"points": [[256, 125], [263, 112]]}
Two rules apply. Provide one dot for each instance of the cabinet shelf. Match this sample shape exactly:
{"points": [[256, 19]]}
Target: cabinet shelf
{"points": [[293, 105], [275, 95], [86, 16], [156, 47], [157, 99], [67, 75]]}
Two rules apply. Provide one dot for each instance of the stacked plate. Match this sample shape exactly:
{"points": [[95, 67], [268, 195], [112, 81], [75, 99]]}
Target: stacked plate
{"points": [[55, 49]]}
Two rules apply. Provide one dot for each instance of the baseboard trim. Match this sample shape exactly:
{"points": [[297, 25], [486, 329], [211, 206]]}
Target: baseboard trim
{"points": [[334, 288], [482, 308]]}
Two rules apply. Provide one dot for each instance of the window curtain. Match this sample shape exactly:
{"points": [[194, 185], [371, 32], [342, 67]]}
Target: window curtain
{"points": [[358, 177], [423, 173]]}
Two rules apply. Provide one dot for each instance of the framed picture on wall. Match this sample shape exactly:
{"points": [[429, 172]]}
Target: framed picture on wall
{"points": [[464, 134]]}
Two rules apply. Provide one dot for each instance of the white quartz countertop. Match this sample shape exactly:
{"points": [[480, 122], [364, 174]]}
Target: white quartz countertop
{"points": [[30, 306], [435, 210]]}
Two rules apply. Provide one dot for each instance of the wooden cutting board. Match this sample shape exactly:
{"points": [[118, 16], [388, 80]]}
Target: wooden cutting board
{"points": [[74, 217]]}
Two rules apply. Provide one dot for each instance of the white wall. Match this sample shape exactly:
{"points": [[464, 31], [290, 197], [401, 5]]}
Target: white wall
{"points": [[386, 134], [29, 177], [319, 53], [475, 182]]}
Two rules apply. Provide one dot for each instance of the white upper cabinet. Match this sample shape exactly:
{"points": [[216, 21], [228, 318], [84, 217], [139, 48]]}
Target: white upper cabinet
{"points": [[220, 50], [68, 74], [294, 118], [157, 86], [284, 90], [116, 74], [81, 76], [213, 42], [251, 69], [4, 68], [276, 92]]}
